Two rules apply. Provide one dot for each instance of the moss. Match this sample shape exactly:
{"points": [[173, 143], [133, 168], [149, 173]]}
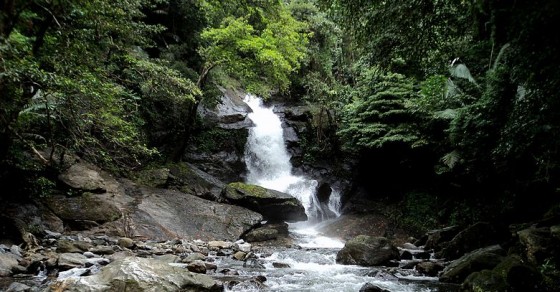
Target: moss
{"points": [[254, 190]]}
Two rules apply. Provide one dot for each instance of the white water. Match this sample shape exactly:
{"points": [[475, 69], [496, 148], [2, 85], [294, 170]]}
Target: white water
{"points": [[312, 266], [268, 161]]}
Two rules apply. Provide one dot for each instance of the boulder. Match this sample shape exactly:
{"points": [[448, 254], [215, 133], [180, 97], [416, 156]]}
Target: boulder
{"points": [[168, 214], [477, 260], [139, 274], [512, 274], [87, 207], [157, 178], [189, 179], [369, 287], [367, 251], [540, 244], [68, 261], [478, 235], [8, 261], [436, 237], [273, 205], [84, 177], [261, 234]]}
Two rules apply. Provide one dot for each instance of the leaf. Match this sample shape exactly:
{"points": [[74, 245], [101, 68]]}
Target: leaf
{"points": [[451, 159]]}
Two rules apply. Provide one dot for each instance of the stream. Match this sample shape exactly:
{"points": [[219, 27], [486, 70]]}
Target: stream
{"points": [[310, 265]]}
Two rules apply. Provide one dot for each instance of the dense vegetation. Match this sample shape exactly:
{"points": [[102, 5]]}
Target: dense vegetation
{"points": [[447, 105]]}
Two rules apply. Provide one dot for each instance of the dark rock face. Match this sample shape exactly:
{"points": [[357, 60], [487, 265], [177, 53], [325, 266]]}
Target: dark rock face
{"points": [[84, 177], [273, 205], [477, 260], [367, 251], [540, 244], [512, 274], [478, 235]]}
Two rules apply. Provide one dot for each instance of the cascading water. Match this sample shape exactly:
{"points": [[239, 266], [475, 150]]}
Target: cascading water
{"points": [[312, 266], [268, 163]]}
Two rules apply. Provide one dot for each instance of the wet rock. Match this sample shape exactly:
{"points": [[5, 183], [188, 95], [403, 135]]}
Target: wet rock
{"points": [[138, 274], [477, 260], [430, 269], [243, 246], [273, 205], [239, 255], [279, 265], [367, 251], [196, 256], [253, 263], [197, 267], [369, 287], [261, 234], [405, 255]]}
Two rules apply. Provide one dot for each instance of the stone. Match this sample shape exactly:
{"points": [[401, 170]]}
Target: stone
{"points": [[475, 236], [220, 244], [87, 207], [68, 261], [83, 177], [369, 287], [436, 237], [71, 246], [430, 269], [477, 260], [197, 267], [367, 251], [261, 234], [125, 242], [18, 287], [156, 178], [243, 246], [7, 263], [539, 244], [239, 255], [102, 250], [139, 274], [279, 265], [275, 206]]}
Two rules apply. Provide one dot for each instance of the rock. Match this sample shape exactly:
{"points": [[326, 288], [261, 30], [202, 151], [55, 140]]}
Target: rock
{"points": [[367, 251], [102, 250], [405, 255], [323, 192], [83, 177], [280, 265], [71, 246], [125, 242], [87, 207], [477, 260], [211, 266], [138, 274], [18, 287], [242, 246], [261, 234], [478, 235], [89, 254], [436, 237], [73, 273], [167, 214], [156, 178], [220, 244], [8, 262], [512, 274], [430, 269], [240, 255], [197, 267], [195, 256], [273, 205], [369, 287], [68, 261], [539, 244]]}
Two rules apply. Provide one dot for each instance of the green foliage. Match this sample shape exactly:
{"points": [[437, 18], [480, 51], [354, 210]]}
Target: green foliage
{"points": [[260, 47], [420, 212], [379, 115]]}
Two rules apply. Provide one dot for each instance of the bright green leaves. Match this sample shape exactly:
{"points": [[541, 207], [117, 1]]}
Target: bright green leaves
{"points": [[260, 53]]}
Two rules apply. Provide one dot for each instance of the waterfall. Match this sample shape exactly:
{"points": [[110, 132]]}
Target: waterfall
{"points": [[268, 163]]}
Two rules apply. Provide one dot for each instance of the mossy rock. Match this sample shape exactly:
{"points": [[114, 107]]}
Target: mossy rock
{"points": [[275, 206]]}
